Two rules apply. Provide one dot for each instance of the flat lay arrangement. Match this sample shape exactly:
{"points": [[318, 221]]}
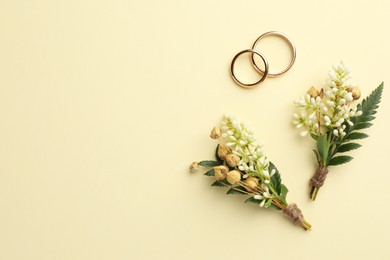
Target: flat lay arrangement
{"points": [[194, 130], [329, 115]]}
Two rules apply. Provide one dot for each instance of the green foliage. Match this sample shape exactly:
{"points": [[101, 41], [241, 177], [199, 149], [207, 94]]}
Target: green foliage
{"points": [[237, 190], [283, 193], [276, 180], [340, 160], [218, 184], [317, 156], [219, 160], [348, 147], [356, 136], [315, 137], [273, 206], [252, 200], [268, 203], [363, 125], [210, 173], [323, 147], [369, 108], [275, 183], [209, 163]]}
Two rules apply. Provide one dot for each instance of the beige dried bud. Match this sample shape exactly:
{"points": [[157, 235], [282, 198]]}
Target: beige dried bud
{"points": [[223, 151], [251, 183], [356, 93], [313, 92], [232, 159], [194, 167], [220, 172], [321, 94], [233, 177], [216, 133]]}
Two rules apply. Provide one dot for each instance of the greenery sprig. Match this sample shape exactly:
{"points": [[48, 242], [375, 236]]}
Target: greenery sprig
{"points": [[334, 122], [241, 166]]}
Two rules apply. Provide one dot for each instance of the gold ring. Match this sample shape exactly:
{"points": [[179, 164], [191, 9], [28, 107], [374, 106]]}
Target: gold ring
{"points": [[265, 72], [288, 40]]}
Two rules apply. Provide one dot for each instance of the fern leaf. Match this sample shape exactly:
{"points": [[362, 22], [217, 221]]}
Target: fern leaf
{"points": [[369, 108]]}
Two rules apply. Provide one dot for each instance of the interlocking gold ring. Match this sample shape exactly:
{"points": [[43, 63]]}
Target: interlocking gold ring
{"points": [[288, 40], [265, 72]]}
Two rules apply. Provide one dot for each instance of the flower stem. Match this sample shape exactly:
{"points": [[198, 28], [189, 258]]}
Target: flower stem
{"points": [[313, 193]]}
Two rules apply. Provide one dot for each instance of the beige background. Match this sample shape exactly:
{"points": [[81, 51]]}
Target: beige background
{"points": [[103, 105]]}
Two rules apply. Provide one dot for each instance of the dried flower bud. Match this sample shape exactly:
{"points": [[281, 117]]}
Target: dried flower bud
{"points": [[216, 133], [220, 172], [233, 177], [223, 151], [194, 167], [232, 159], [356, 93], [251, 183], [313, 92], [321, 94]]}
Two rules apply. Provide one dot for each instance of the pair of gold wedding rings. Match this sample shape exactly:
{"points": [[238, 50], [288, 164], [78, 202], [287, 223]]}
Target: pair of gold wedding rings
{"points": [[264, 72]]}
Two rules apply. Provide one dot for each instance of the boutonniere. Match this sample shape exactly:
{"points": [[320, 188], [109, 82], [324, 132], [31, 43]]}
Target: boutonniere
{"points": [[241, 166], [334, 120]]}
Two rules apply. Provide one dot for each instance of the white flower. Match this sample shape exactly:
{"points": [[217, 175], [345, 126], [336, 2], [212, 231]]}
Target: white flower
{"points": [[239, 137], [331, 112], [258, 197]]}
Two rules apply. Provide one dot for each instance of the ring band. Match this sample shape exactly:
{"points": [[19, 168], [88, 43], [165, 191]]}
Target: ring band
{"points": [[265, 72], [288, 40]]}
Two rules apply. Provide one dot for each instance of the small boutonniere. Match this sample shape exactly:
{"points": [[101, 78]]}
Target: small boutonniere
{"points": [[241, 165], [332, 119]]}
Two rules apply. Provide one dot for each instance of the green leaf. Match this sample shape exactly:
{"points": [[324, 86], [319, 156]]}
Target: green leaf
{"points": [[366, 118], [283, 193], [252, 200], [315, 137], [322, 145], [272, 206], [276, 180], [236, 190], [268, 203], [219, 160], [208, 163], [209, 173], [340, 160], [222, 183], [356, 135], [217, 184], [317, 156], [348, 147], [363, 125], [371, 103], [368, 107]]}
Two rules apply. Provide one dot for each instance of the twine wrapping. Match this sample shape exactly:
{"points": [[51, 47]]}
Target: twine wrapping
{"points": [[294, 213], [319, 177]]}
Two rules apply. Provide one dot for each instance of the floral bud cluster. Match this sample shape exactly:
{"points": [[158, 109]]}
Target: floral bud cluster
{"points": [[329, 109], [248, 156]]}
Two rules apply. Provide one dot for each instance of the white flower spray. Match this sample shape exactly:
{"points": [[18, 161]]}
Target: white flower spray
{"points": [[331, 109], [239, 137]]}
